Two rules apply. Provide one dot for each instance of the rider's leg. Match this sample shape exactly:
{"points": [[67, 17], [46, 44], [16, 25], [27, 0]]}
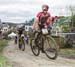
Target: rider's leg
{"points": [[49, 29]]}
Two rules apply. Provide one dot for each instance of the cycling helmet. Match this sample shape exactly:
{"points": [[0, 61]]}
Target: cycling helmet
{"points": [[45, 7], [20, 26]]}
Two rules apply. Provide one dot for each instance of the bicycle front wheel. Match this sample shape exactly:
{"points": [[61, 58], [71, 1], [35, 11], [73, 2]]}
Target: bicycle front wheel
{"points": [[34, 47], [22, 44], [50, 48]]}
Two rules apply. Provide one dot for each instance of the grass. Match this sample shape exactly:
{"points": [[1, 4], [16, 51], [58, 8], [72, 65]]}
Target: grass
{"points": [[69, 51], [65, 52], [3, 43], [3, 60]]}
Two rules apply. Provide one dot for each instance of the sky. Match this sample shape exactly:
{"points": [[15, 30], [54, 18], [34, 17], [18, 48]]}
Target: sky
{"points": [[17, 11]]}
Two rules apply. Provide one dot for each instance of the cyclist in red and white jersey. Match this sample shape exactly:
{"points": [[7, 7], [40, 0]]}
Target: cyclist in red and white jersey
{"points": [[43, 17]]}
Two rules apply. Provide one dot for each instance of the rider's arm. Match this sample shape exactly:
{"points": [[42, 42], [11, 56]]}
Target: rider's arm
{"points": [[49, 20], [35, 24], [36, 21]]}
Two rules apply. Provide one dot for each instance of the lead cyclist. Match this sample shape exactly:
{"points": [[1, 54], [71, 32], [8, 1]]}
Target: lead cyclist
{"points": [[43, 17]]}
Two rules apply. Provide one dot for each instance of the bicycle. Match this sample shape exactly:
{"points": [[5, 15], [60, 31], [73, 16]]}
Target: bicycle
{"points": [[21, 42], [15, 40], [44, 42]]}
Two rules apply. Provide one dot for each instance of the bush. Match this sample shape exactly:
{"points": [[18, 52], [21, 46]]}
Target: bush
{"points": [[59, 41]]}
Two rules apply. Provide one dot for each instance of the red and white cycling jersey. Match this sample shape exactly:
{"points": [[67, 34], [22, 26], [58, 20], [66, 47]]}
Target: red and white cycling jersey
{"points": [[40, 14], [47, 15]]}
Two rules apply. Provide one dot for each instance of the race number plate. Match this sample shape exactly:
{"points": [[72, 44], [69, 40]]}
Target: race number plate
{"points": [[44, 31]]}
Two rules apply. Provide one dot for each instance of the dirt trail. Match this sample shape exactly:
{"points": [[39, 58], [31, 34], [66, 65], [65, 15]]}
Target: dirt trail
{"points": [[26, 58]]}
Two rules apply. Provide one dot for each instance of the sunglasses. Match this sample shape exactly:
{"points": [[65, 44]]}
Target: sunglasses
{"points": [[45, 10]]}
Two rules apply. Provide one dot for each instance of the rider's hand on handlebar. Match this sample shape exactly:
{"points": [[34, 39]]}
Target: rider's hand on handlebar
{"points": [[45, 26]]}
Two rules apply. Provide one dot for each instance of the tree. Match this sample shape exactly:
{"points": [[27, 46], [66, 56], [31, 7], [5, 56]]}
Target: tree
{"points": [[72, 10], [32, 20], [72, 21]]}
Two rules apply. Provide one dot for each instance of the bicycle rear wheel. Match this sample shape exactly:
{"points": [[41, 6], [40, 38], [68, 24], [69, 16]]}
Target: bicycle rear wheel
{"points": [[19, 44], [22, 44], [50, 48], [34, 47]]}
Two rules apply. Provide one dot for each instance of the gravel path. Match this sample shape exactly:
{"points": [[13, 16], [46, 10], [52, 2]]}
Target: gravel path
{"points": [[26, 58]]}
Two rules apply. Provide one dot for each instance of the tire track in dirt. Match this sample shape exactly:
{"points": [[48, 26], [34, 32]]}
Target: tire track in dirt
{"points": [[27, 59]]}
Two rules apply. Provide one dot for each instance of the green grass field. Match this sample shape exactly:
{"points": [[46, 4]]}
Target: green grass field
{"points": [[3, 60], [3, 43], [68, 51]]}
